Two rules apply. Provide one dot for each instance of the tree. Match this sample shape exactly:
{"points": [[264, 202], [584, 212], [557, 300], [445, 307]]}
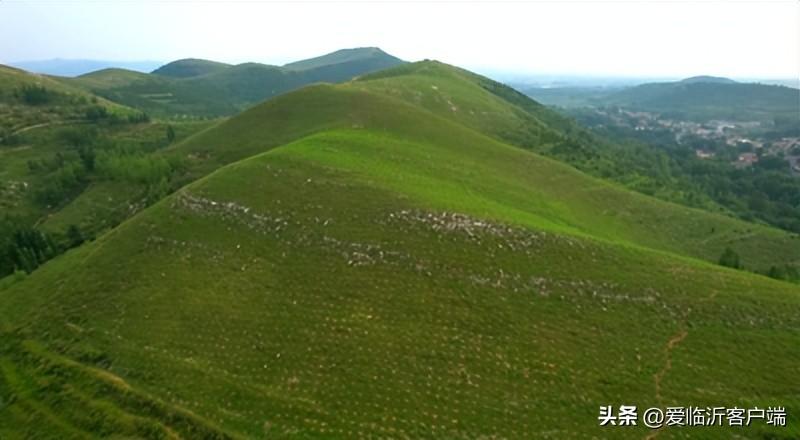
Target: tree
{"points": [[96, 113], [74, 236], [170, 134], [730, 258], [36, 95], [87, 157]]}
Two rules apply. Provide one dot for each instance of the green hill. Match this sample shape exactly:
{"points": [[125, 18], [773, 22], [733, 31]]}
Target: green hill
{"points": [[201, 88], [110, 78], [29, 99], [371, 56], [365, 261], [703, 99], [72, 164], [366, 104], [707, 79], [190, 67]]}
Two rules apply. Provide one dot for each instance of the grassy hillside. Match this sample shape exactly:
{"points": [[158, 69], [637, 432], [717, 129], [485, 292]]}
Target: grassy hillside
{"points": [[305, 292], [596, 207], [110, 78], [201, 88], [360, 263], [190, 67], [72, 165], [371, 55], [28, 100]]}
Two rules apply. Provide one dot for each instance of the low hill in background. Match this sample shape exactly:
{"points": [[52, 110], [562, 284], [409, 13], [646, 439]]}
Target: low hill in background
{"points": [[190, 67], [707, 79], [70, 67], [381, 258], [30, 100], [370, 55], [704, 98]]}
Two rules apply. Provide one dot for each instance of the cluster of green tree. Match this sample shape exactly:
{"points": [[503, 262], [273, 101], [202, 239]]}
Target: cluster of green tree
{"points": [[86, 107], [117, 164], [37, 95], [23, 248], [98, 113], [61, 184], [89, 155]]}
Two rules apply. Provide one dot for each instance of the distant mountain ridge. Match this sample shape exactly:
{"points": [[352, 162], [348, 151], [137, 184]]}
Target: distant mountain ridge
{"points": [[207, 88], [72, 68]]}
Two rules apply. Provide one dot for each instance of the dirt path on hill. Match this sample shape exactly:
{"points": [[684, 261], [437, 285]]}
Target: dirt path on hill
{"points": [[671, 344]]}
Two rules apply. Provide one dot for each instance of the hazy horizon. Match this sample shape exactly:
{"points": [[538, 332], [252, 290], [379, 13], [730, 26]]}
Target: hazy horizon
{"points": [[641, 39]]}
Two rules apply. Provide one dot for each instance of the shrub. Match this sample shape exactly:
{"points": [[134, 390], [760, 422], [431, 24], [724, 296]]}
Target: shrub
{"points": [[730, 258]]}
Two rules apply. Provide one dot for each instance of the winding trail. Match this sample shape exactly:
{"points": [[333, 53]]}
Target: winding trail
{"points": [[659, 376], [673, 342]]}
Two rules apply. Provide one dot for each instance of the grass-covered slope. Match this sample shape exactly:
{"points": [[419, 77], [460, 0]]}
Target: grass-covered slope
{"points": [[372, 55], [190, 67], [573, 201], [357, 265], [352, 285], [28, 100]]}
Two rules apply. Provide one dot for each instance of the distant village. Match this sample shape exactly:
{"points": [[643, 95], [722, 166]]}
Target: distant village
{"points": [[747, 137]]}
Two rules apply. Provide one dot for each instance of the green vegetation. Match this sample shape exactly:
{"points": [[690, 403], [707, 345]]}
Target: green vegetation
{"points": [[190, 67], [83, 166], [381, 259], [730, 259], [703, 100], [200, 88], [766, 192], [373, 56], [28, 101]]}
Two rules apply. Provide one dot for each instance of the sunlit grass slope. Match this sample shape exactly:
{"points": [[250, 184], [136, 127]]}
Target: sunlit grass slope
{"points": [[348, 264], [305, 293], [534, 187]]}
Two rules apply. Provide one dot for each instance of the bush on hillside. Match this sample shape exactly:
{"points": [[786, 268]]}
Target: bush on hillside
{"points": [[730, 258]]}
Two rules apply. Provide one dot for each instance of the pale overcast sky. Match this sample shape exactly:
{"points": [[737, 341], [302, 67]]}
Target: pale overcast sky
{"points": [[631, 38]]}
